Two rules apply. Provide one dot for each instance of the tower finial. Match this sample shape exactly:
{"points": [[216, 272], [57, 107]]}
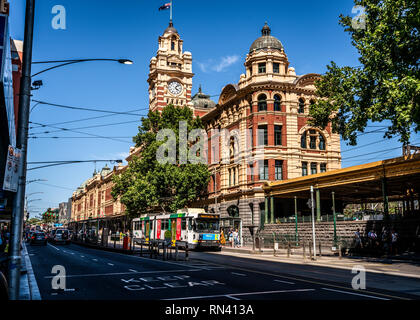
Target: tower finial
{"points": [[266, 31], [199, 89]]}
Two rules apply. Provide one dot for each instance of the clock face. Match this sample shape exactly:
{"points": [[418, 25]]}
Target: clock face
{"points": [[175, 88]]}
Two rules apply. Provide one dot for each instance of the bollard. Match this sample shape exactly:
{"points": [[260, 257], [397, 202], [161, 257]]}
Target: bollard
{"points": [[304, 255], [186, 252], [320, 249], [274, 248], [288, 249], [150, 249], [164, 251], [141, 248], [176, 252], [339, 251], [310, 251]]}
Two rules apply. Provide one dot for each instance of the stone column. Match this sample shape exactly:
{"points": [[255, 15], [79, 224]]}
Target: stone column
{"points": [[272, 209], [318, 205]]}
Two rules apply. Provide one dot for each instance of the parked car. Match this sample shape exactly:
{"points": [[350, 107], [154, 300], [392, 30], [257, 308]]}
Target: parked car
{"points": [[61, 235], [39, 238]]}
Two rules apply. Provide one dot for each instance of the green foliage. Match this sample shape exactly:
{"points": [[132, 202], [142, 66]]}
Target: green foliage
{"points": [[387, 84], [146, 184], [168, 235], [34, 221]]}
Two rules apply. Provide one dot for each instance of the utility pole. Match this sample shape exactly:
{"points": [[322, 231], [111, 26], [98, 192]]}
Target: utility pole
{"points": [[21, 143], [313, 220]]}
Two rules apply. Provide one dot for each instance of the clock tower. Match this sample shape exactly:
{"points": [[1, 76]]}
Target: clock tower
{"points": [[170, 76]]}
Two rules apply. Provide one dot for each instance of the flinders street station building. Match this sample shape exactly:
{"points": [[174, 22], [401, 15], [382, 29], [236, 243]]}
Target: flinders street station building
{"points": [[266, 113]]}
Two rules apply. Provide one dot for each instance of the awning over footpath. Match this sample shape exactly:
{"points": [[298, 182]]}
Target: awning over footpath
{"points": [[395, 179]]}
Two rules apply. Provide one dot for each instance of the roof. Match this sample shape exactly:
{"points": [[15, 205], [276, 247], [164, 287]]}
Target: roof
{"points": [[202, 101], [266, 41]]}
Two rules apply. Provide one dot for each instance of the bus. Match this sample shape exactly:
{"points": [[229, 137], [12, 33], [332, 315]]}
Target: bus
{"points": [[193, 226]]}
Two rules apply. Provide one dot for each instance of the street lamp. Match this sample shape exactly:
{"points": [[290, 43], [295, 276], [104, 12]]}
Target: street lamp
{"points": [[36, 180], [63, 63]]}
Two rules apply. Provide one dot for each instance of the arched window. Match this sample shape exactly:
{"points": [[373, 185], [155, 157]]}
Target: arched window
{"points": [[321, 142], [277, 102], [301, 106], [233, 211], [303, 140], [262, 102]]}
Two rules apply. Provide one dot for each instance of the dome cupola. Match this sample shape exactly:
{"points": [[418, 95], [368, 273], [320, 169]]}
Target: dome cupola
{"points": [[266, 41]]}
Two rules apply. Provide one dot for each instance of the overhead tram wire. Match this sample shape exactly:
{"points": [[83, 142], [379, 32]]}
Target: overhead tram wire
{"points": [[89, 134], [86, 119], [87, 109], [88, 127]]}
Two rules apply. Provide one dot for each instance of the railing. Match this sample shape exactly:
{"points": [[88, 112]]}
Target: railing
{"points": [[324, 218]]}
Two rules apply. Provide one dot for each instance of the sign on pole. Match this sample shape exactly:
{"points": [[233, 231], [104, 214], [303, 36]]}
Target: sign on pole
{"points": [[11, 175]]}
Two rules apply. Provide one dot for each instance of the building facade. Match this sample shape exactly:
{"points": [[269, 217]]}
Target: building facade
{"points": [[258, 132]]}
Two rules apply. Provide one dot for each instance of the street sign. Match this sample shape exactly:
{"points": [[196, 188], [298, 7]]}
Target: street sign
{"points": [[11, 175]]}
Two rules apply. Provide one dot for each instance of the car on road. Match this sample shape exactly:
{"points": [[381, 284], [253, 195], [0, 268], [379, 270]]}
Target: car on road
{"points": [[51, 234], [39, 238], [61, 236]]}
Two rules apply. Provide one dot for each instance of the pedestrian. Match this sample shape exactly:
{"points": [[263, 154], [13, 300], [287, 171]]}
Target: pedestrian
{"points": [[394, 242], [236, 238], [357, 240], [231, 237], [385, 241], [2, 242]]}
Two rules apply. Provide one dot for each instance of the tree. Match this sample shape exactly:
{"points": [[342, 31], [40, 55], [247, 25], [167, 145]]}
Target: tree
{"points": [[386, 86], [34, 221], [146, 184]]}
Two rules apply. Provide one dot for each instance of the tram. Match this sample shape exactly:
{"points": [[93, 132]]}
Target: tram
{"points": [[193, 226]]}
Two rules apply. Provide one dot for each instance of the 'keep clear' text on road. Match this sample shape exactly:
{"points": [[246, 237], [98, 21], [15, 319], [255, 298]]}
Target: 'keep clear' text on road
{"points": [[165, 282]]}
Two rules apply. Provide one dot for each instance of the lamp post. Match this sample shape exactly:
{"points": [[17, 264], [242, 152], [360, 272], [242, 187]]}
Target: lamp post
{"points": [[22, 142], [63, 63]]}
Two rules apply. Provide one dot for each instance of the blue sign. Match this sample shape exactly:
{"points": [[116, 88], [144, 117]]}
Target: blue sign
{"points": [[209, 236]]}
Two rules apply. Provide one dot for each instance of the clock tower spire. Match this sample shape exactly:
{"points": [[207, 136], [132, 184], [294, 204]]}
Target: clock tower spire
{"points": [[170, 75]]}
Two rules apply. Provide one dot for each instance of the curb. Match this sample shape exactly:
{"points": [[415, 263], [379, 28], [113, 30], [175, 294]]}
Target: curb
{"points": [[28, 286]]}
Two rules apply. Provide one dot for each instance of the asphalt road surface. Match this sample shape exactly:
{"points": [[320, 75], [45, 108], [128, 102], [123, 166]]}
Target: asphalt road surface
{"points": [[73, 272]]}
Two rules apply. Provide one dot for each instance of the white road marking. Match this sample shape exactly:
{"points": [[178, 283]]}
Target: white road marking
{"points": [[287, 282], [82, 256], [123, 273], [111, 264], [230, 297], [95, 259], [242, 294], [53, 246], [356, 294], [238, 274], [132, 270]]}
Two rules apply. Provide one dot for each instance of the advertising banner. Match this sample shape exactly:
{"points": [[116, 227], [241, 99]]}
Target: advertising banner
{"points": [[158, 229], [178, 229], [11, 175]]}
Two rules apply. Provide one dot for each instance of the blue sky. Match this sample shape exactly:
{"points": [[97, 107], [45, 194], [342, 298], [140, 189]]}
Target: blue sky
{"points": [[217, 33]]}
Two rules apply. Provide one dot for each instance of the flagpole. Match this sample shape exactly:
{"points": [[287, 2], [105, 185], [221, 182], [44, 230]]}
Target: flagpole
{"points": [[171, 13]]}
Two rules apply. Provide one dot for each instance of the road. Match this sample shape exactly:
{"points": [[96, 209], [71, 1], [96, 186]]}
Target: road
{"points": [[92, 274]]}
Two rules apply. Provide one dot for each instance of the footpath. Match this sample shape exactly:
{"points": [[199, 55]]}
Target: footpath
{"points": [[407, 265]]}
